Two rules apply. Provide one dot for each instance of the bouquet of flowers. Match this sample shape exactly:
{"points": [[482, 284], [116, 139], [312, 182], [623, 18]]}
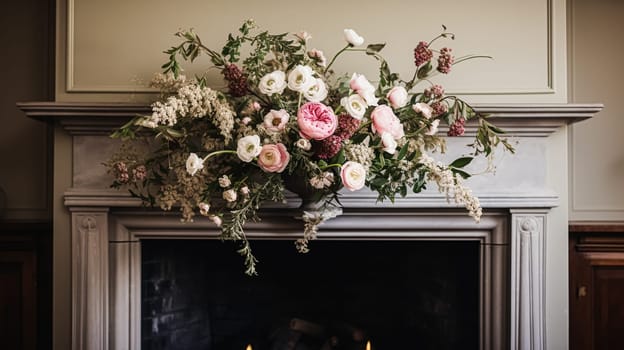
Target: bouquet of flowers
{"points": [[288, 121]]}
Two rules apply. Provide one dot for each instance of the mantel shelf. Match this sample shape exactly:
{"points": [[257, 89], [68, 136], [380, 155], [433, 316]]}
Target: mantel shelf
{"points": [[80, 118]]}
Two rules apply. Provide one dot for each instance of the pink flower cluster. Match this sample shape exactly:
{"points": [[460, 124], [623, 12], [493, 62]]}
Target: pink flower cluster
{"points": [[457, 128], [435, 91], [422, 53], [445, 60]]}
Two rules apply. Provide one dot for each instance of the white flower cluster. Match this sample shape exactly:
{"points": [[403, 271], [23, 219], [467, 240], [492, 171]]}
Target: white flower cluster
{"points": [[168, 82], [323, 180], [192, 101], [360, 153], [452, 186]]}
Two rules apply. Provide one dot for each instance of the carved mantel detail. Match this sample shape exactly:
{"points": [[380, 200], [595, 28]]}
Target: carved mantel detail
{"points": [[527, 279], [90, 279]]}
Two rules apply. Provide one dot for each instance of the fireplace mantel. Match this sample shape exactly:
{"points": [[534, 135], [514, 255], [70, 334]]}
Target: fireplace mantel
{"points": [[518, 203]]}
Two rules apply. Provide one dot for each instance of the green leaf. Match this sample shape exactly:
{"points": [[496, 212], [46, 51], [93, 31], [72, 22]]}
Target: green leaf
{"points": [[372, 49], [424, 70], [461, 173], [403, 151], [461, 162]]}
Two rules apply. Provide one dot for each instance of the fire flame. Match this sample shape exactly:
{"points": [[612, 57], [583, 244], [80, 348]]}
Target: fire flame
{"points": [[248, 347], [368, 345]]}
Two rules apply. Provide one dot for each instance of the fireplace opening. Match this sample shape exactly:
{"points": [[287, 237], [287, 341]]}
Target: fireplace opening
{"points": [[394, 294]]}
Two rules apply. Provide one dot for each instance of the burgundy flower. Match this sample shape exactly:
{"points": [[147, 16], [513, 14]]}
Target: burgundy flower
{"points": [[457, 128], [439, 108], [422, 53], [328, 147], [347, 125], [237, 80], [435, 91], [445, 60]]}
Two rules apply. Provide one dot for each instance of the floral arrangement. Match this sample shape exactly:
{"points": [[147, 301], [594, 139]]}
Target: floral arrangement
{"points": [[288, 121]]}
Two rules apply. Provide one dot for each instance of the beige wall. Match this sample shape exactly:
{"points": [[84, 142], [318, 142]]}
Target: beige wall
{"points": [[113, 47], [597, 145], [25, 69]]}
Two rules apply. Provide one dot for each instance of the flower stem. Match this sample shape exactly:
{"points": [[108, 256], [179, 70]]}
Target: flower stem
{"points": [[216, 153], [335, 165], [336, 56]]}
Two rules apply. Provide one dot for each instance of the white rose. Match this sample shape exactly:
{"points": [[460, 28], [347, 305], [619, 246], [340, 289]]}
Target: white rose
{"points": [[244, 190], [300, 78], [248, 148], [397, 97], [317, 92], [353, 175], [194, 163], [433, 129], [353, 38], [304, 144], [389, 142], [355, 106], [224, 181], [273, 83], [204, 208], [229, 195], [423, 109]]}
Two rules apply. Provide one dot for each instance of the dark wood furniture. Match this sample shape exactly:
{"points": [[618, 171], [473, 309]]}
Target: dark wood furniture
{"points": [[25, 286], [596, 286]]}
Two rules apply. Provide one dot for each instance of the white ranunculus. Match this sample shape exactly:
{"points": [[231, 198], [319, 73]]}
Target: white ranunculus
{"points": [[273, 83], [304, 144], [248, 148], [301, 78], [355, 106], [224, 181], [389, 142], [194, 164], [423, 109], [204, 208], [353, 38], [317, 92], [229, 195], [433, 129]]}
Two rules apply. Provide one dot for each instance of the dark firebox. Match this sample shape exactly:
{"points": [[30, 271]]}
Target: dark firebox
{"points": [[396, 294]]}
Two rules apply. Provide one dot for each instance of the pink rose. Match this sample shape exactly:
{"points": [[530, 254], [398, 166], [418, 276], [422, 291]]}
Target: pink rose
{"points": [[273, 158], [397, 97], [316, 121], [384, 120], [353, 175]]}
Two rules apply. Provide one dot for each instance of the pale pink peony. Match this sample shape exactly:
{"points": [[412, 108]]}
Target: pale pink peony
{"points": [[359, 82], [397, 97], [316, 121], [353, 175], [273, 158], [384, 120]]}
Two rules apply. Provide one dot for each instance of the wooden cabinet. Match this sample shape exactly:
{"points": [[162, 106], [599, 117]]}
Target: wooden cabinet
{"points": [[596, 287], [25, 286]]}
